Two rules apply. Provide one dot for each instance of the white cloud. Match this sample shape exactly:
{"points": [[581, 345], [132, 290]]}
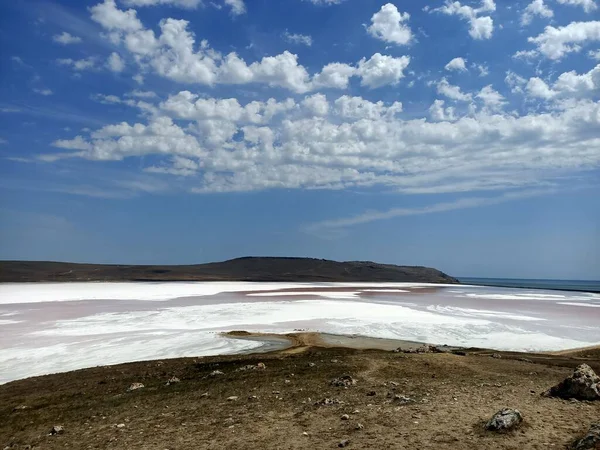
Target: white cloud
{"points": [[44, 92], [481, 27], [438, 112], [115, 63], [66, 38], [587, 5], [594, 54], [189, 4], [382, 70], [174, 54], [238, 7], [461, 203], [142, 94], [535, 8], [326, 2], [515, 82], [139, 79], [316, 105], [350, 142], [567, 85], [110, 17], [453, 92], [526, 54], [554, 43], [296, 38], [79, 64], [458, 64], [389, 25], [357, 108], [536, 87], [334, 75], [484, 70], [491, 98]]}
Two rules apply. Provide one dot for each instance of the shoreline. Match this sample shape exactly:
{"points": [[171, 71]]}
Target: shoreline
{"points": [[302, 341]]}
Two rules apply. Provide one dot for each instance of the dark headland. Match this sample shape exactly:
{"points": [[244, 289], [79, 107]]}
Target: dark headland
{"points": [[240, 269]]}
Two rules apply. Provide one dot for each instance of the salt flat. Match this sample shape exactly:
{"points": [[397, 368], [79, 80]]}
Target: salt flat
{"points": [[54, 327]]}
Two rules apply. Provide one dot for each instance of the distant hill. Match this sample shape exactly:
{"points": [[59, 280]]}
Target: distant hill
{"points": [[240, 269]]}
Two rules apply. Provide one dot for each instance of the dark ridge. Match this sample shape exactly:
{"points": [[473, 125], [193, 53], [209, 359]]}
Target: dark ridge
{"points": [[240, 269]]}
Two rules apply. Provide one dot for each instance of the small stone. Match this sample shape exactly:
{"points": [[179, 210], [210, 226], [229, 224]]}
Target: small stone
{"points": [[305, 434], [345, 417], [121, 425], [504, 420], [343, 381], [590, 441], [173, 380], [344, 443], [359, 426], [253, 397], [403, 399], [20, 408], [57, 429], [233, 398], [311, 364], [261, 366], [216, 373], [206, 394], [356, 411], [496, 355], [134, 387], [287, 381], [327, 402]]}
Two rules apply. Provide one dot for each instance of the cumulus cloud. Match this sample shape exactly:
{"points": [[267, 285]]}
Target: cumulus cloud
{"points": [[65, 38], [115, 63], [587, 5], [325, 2], [238, 7], [439, 112], [381, 70], [483, 69], [389, 25], [481, 26], [567, 85], [78, 64], [535, 8], [296, 38], [348, 141], [491, 98], [174, 54], [189, 4], [515, 82], [44, 92], [458, 64], [453, 92], [556, 42]]}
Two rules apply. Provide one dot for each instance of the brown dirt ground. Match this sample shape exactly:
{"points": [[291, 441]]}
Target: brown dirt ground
{"points": [[454, 396]]}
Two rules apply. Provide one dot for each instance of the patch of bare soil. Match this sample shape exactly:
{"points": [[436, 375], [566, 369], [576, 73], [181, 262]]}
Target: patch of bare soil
{"points": [[398, 401]]}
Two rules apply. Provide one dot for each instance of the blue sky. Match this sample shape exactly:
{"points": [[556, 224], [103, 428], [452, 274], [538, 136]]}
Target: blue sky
{"points": [[464, 136]]}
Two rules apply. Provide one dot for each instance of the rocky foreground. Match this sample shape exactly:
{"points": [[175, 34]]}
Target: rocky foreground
{"points": [[240, 269], [310, 397]]}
